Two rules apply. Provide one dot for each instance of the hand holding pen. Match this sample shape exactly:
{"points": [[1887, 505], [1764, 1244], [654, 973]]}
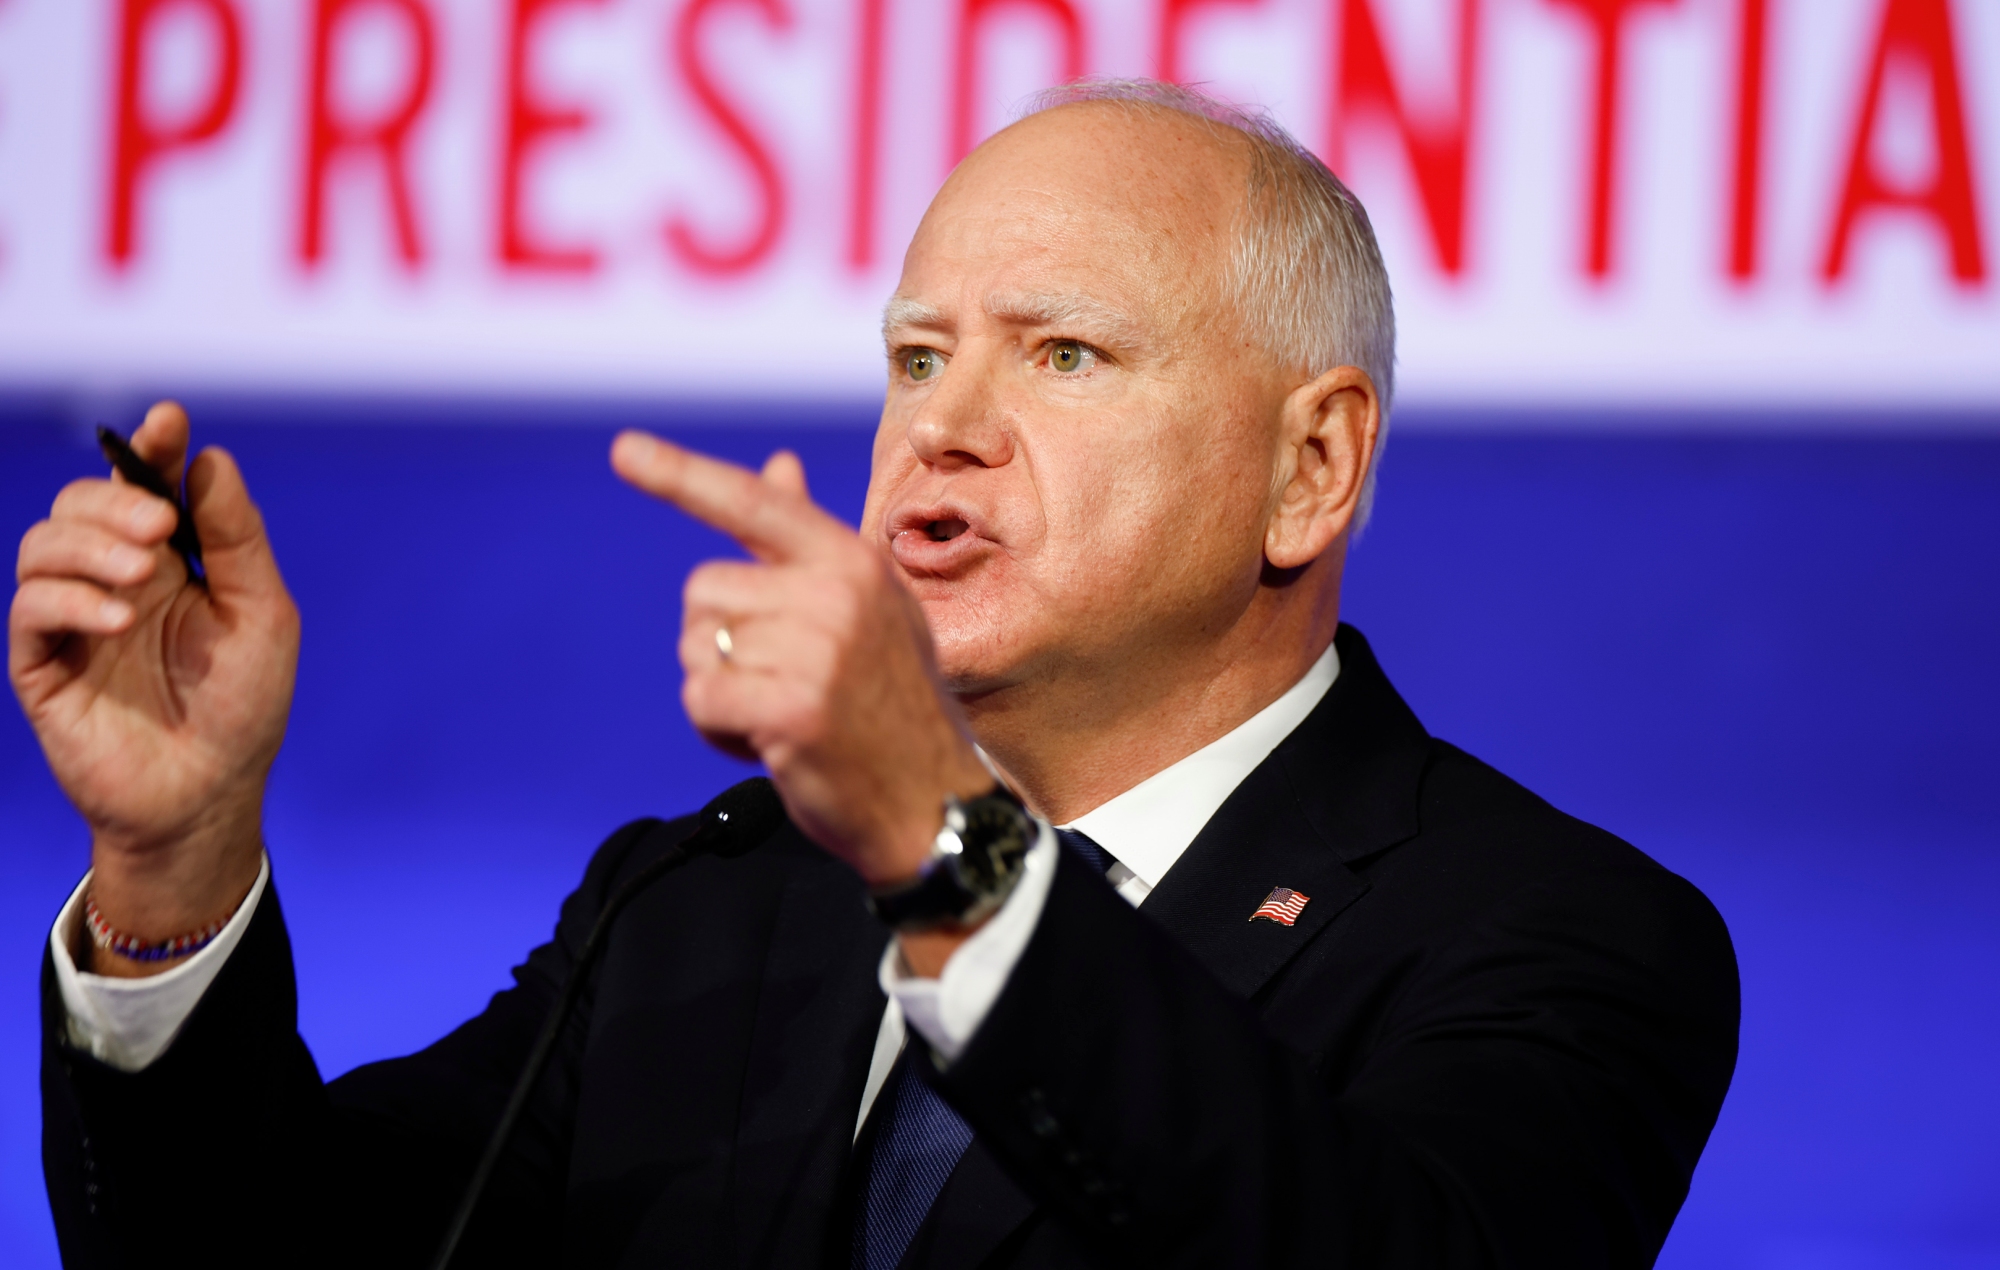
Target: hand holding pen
{"points": [[159, 704], [136, 471]]}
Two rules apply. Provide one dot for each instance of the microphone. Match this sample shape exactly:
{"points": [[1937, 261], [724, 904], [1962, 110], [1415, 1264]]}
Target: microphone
{"points": [[736, 821]]}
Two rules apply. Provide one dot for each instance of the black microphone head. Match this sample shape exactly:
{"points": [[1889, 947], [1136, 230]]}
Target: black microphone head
{"points": [[739, 819]]}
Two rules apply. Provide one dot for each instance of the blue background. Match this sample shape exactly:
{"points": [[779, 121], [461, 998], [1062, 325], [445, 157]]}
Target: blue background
{"points": [[1765, 653]]}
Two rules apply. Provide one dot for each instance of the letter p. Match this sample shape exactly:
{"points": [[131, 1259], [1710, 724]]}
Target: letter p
{"points": [[137, 139]]}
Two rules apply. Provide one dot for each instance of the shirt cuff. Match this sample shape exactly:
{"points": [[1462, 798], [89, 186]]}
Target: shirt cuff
{"points": [[127, 1023], [947, 1010]]}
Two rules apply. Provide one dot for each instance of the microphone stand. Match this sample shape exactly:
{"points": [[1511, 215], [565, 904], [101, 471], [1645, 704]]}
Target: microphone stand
{"points": [[738, 819]]}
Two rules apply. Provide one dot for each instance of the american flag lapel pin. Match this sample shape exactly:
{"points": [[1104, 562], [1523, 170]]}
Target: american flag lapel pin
{"points": [[1283, 904]]}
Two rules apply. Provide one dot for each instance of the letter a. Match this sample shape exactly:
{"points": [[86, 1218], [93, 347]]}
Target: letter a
{"points": [[1919, 30]]}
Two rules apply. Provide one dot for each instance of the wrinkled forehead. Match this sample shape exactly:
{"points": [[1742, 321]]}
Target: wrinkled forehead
{"points": [[1136, 208]]}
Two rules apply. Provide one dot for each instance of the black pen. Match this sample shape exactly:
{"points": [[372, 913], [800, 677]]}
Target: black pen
{"points": [[139, 472]]}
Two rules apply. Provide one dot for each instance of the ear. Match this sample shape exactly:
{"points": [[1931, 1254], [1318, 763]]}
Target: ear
{"points": [[1327, 434]]}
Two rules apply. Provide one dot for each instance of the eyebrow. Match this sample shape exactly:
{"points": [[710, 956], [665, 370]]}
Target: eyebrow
{"points": [[1023, 308], [1063, 309], [902, 311]]}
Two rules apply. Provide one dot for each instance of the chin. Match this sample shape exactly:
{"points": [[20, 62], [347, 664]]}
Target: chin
{"points": [[987, 634], [972, 656]]}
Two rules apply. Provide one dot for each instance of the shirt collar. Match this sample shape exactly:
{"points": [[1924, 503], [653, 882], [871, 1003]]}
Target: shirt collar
{"points": [[1147, 827]]}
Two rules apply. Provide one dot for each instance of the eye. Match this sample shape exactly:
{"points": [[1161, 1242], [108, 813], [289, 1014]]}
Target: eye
{"points": [[1067, 356], [920, 363]]}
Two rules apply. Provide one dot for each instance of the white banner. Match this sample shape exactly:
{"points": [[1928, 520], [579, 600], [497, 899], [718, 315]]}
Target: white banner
{"points": [[1682, 202]]}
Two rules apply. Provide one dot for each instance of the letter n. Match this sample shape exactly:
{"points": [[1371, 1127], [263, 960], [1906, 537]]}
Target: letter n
{"points": [[1436, 148]]}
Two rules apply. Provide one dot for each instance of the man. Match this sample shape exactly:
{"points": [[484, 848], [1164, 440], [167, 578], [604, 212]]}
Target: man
{"points": [[1295, 984]]}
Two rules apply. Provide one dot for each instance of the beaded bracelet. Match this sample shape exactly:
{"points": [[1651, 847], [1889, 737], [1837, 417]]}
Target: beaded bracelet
{"points": [[136, 949]]}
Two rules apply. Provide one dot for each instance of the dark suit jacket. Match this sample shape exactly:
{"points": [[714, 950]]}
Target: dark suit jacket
{"points": [[1496, 1036]]}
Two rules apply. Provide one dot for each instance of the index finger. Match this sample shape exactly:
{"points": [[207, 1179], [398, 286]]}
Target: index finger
{"points": [[771, 522], [162, 440]]}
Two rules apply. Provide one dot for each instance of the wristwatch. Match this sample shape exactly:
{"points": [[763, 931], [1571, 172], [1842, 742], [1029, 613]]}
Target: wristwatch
{"points": [[975, 861]]}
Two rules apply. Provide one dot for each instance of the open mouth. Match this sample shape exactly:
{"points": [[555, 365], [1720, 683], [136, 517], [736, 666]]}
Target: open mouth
{"points": [[939, 541]]}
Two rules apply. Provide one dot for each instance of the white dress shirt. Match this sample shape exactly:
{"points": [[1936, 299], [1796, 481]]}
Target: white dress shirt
{"points": [[127, 1023]]}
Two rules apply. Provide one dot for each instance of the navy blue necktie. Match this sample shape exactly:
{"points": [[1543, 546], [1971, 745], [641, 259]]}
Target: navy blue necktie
{"points": [[920, 1141], [1097, 857]]}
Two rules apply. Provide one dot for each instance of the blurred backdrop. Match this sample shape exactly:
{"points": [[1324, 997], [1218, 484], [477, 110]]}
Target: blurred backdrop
{"points": [[1691, 519]]}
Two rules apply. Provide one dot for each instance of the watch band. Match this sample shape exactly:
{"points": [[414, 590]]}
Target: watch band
{"points": [[975, 862]]}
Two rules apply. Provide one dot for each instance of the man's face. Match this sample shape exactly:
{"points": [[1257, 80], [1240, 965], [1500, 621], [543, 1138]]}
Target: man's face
{"points": [[1075, 462]]}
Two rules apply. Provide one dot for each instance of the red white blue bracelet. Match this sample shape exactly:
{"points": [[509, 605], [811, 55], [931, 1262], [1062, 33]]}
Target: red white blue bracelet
{"points": [[135, 949]]}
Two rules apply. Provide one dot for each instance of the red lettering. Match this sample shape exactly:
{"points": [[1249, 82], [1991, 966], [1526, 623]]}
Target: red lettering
{"points": [[1174, 15], [964, 94], [532, 122], [1437, 151], [1607, 22], [867, 136], [329, 137], [137, 141], [1747, 201], [1919, 30], [770, 188]]}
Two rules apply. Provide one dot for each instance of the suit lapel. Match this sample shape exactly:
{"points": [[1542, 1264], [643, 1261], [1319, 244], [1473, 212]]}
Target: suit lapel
{"points": [[1207, 898], [1341, 787], [979, 1207], [818, 1010]]}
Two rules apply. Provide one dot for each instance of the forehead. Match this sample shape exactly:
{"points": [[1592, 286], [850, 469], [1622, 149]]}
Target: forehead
{"points": [[1134, 204]]}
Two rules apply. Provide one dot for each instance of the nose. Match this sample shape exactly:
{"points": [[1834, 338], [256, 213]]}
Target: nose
{"points": [[962, 422]]}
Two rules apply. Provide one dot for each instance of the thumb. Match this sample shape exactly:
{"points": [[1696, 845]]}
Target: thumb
{"points": [[234, 549], [783, 471]]}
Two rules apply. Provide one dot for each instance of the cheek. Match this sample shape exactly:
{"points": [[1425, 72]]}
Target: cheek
{"points": [[1124, 541], [1185, 497], [1184, 535]]}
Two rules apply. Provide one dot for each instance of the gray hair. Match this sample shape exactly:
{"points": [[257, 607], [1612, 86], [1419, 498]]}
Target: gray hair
{"points": [[1306, 276]]}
